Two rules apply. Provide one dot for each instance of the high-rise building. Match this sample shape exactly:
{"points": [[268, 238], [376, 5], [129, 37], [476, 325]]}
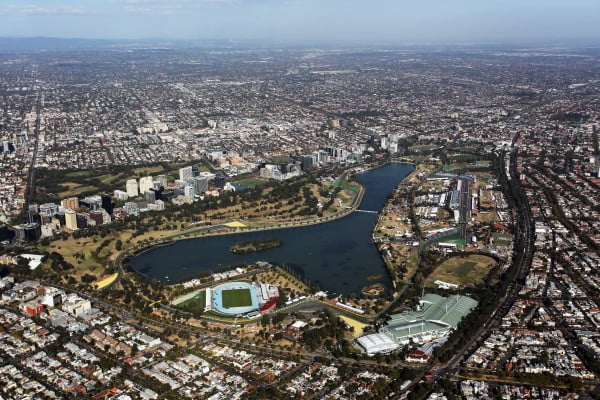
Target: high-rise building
{"points": [[188, 191], [150, 196], [121, 195], [308, 161], [200, 184], [92, 202], [59, 220], [32, 231], [384, 142], [186, 173], [160, 181], [95, 218], [48, 209], [6, 233], [132, 188], [47, 230], [107, 203], [71, 202], [146, 183], [82, 221], [70, 219]]}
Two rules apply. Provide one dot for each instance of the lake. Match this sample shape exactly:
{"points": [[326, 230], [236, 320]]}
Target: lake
{"points": [[337, 256]]}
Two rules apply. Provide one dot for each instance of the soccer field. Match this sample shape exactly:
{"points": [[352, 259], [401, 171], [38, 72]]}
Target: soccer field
{"points": [[236, 298]]}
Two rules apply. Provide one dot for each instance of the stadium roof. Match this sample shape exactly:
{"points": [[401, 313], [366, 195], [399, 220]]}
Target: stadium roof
{"points": [[377, 343], [437, 314]]}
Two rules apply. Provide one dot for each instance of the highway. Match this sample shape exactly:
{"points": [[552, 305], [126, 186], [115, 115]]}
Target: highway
{"points": [[31, 181]]}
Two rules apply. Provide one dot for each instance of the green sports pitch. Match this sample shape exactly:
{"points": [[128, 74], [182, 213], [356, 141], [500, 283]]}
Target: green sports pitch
{"points": [[236, 298]]}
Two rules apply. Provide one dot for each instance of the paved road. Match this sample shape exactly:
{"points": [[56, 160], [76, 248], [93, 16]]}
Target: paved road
{"points": [[31, 180]]}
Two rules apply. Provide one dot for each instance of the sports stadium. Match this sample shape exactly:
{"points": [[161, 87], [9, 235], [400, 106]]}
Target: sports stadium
{"points": [[241, 298]]}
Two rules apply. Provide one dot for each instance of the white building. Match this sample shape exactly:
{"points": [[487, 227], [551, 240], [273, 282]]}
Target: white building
{"points": [[121, 195], [186, 173], [146, 183], [188, 191], [76, 306], [377, 343], [132, 188], [47, 230]]}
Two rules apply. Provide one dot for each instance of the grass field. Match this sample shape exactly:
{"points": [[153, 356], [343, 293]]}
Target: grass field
{"points": [[236, 298], [250, 182], [346, 185], [489, 217], [195, 305], [464, 270]]}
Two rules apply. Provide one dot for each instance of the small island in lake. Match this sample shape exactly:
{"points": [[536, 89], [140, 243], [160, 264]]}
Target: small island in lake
{"points": [[255, 245]]}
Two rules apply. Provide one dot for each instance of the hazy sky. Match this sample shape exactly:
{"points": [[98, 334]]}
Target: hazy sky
{"points": [[392, 21]]}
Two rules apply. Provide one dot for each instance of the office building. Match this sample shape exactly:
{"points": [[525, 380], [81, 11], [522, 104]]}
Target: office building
{"points": [[82, 221], [48, 209], [70, 219], [150, 196], [107, 203], [96, 217], [186, 174], [160, 182], [146, 183], [121, 195], [47, 230], [71, 203], [132, 188], [188, 191], [32, 232], [200, 185], [91, 202]]}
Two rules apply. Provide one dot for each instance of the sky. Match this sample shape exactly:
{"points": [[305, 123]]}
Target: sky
{"points": [[326, 21]]}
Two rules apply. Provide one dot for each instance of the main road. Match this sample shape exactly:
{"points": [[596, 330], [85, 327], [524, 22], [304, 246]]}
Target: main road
{"points": [[30, 181]]}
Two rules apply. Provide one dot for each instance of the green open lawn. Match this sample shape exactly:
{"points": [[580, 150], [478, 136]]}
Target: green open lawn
{"points": [[463, 270], [236, 298], [250, 182], [346, 185], [195, 305], [463, 157]]}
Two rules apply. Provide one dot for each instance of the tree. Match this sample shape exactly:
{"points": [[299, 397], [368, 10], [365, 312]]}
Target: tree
{"points": [[88, 278]]}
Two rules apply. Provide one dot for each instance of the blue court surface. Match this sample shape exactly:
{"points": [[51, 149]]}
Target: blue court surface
{"points": [[217, 298]]}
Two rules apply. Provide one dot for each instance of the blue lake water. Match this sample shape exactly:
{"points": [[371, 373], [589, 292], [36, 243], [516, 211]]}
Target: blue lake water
{"points": [[338, 256]]}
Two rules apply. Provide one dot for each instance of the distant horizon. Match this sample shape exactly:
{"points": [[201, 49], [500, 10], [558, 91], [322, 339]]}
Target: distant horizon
{"points": [[270, 43], [389, 22]]}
